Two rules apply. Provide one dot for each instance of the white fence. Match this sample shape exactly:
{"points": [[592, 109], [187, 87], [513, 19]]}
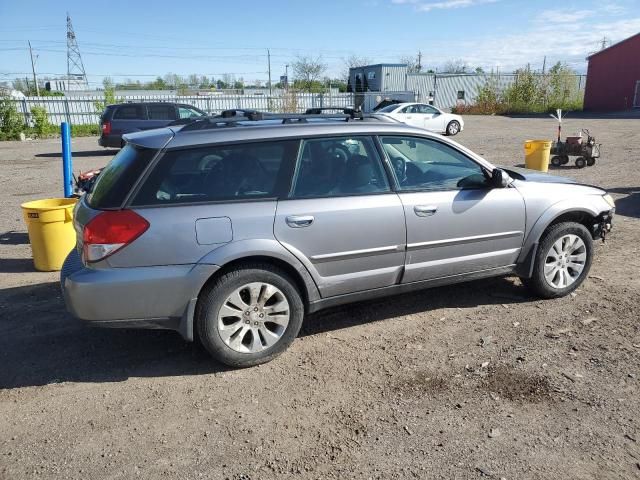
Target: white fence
{"points": [[83, 110]]}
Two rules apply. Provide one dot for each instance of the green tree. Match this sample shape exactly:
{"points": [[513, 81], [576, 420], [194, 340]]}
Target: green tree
{"points": [[562, 88], [308, 71], [41, 124], [525, 93], [11, 123], [109, 95]]}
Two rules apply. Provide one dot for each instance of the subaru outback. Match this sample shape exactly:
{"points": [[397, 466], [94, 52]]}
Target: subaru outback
{"points": [[230, 231]]}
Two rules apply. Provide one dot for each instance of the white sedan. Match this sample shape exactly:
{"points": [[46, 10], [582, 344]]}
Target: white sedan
{"points": [[424, 116]]}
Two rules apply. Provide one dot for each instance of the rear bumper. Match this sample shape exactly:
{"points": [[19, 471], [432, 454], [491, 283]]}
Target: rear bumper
{"points": [[110, 141], [138, 297]]}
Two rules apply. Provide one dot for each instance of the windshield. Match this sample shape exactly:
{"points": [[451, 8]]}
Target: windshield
{"points": [[118, 177], [388, 108]]}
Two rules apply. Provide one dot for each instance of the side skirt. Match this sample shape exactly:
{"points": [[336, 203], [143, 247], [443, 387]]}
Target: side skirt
{"points": [[408, 287]]}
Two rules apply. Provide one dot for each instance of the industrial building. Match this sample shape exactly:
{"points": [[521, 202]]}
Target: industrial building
{"points": [[371, 83], [613, 77]]}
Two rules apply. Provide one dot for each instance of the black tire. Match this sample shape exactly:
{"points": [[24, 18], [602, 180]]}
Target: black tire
{"points": [[556, 161], [565, 159], [213, 298], [591, 161], [538, 283], [453, 128], [581, 162]]}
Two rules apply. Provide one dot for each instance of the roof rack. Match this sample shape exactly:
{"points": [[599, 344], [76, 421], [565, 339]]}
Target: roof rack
{"points": [[231, 118], [347, 111]]}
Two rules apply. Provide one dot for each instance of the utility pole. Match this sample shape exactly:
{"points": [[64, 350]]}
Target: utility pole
{"points": [[419, 61], [286, 75], [269, 63], [544, 64], [33, 69]]}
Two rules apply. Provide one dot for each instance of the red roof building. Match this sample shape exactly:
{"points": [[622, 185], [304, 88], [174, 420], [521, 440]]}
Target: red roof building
{"points": [[613, 77]]}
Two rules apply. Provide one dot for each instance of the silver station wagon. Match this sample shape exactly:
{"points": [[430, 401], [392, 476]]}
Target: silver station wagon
{"points": [[230, 229]]}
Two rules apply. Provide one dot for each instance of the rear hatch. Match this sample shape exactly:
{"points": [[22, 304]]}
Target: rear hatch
{"points": [[112, 187]]}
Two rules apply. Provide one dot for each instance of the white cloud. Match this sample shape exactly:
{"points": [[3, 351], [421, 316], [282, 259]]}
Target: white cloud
{"points": [[570, 43], [563, 16], [559, 35]]}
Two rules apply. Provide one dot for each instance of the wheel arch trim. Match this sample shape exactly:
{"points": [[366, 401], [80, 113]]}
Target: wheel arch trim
{"points": [[549, 217]]}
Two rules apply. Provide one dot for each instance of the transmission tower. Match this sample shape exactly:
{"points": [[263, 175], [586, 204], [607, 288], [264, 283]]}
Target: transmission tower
{"points": [[75, 67]]}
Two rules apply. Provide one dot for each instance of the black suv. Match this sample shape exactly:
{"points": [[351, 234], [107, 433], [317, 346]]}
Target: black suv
{"points": [[124, 118]]}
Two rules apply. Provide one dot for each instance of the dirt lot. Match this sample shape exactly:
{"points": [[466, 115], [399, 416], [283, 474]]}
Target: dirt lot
{"points": [[458, 382]]}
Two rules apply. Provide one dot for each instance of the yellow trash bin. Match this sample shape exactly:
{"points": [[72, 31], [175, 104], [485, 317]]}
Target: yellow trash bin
{"points": [[536, 154], [51, 233]]}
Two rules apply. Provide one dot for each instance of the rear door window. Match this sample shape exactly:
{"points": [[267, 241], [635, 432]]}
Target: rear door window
{"points": [[161, 112], [337, 167], [118, 177], [188, 112], [129, 112], [222, 172]]}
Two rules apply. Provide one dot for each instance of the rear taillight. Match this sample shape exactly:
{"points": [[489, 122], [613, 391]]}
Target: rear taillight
{"points": [[109, 232], [106, 128]]}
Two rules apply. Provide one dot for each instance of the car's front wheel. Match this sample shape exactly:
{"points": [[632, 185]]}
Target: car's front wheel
{"points": [[453, 127], [562, 261], [250, 315]]}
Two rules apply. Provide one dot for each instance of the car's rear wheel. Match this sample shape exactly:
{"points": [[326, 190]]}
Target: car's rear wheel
{"points": [[562, 261], [250, 315], [453, 127]]}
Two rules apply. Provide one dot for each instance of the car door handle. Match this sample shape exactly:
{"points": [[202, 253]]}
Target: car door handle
{"points": [[295, 221], [425, 210], [408, 116]]}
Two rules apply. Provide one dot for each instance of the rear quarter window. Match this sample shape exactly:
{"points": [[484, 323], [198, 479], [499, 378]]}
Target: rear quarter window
{"points": [[221, 172], [161, 112], [129, 112], [117, 179]]}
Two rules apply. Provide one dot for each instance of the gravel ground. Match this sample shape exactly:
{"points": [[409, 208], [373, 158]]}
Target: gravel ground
{"points": [[469, 381]]}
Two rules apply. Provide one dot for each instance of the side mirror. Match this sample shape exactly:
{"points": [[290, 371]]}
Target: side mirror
{"points": [[499, 178]]}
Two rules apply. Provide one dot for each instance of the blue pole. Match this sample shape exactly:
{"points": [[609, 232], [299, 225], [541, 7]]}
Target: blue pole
{"points": [[67, 163]]}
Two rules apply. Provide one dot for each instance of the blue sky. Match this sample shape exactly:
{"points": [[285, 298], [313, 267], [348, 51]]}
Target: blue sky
{"points": [[140, 39]]}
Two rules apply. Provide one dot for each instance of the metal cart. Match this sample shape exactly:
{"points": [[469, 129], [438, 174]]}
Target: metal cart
{"points": [[585, 151]]}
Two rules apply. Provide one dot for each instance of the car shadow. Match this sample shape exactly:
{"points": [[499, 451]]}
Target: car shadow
{"points": [[16, 265], [88, 153], [629, 206], [492, 291], [40, 343], [14, 238]]}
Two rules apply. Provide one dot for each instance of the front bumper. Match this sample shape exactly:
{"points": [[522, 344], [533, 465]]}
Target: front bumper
{"points": [[137, 297], [603, 225]]}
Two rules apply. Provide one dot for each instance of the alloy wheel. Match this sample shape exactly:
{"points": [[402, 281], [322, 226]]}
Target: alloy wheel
{"points": [[565, 261], [253, 318]]}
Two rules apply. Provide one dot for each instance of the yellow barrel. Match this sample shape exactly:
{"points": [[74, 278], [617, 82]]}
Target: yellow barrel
{"points": [[51, 233], [536, 154]]}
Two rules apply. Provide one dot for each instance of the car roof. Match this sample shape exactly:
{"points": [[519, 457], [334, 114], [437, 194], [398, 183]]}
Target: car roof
{"points": [[160, 102], [157, 138], [173, 138]]}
